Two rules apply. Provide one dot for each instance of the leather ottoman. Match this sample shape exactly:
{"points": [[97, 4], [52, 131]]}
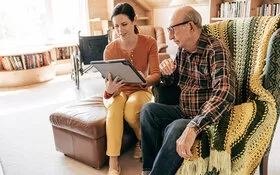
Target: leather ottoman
{"points": [[80, 133]]}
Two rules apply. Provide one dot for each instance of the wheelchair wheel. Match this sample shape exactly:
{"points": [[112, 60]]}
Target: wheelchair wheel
{"points": [[77, 74], [76, 71]]}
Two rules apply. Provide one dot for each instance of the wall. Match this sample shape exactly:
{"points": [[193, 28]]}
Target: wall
{"points": [[161, 18]]}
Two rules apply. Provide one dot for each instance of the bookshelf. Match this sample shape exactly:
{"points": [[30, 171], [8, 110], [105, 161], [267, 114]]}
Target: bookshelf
{"points": [[25, 66], [142, 9], [62, 55], [246, 8], [100, 13]]}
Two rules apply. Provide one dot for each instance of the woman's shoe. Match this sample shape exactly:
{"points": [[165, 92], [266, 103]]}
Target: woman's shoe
{"points": [[114, 171], [137, 154]]}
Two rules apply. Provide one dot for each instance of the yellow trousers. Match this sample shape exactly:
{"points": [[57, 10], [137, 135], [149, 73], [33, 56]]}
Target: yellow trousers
{"points": [[120, 108]]}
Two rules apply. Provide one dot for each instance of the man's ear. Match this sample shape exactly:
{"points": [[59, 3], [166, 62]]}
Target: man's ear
{"points": [[192, 25]]}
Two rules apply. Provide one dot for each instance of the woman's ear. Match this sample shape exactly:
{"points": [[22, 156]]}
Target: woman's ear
{"points": [[135, 20]]}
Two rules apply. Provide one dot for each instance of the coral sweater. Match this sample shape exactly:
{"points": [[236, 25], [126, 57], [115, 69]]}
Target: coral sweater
{"points": [[144, 58]]}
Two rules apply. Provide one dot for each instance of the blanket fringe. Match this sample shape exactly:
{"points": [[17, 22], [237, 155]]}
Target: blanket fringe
{"points": [[221, 161], [196, 167]]}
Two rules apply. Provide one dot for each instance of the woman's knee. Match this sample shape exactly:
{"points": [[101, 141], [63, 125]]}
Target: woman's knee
{"points": [[117, 101], [131, 109], [136, 101]]}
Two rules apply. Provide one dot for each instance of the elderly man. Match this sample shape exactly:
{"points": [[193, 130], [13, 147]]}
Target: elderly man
{"points": [[204, 71]]}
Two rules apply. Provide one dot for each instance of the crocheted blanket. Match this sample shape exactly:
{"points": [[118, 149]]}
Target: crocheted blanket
{"points": [[236, 144]]}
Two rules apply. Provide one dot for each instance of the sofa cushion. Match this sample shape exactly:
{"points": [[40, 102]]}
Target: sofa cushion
{"points": [[86, 117]]}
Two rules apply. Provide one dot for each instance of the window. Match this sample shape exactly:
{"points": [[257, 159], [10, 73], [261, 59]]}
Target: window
{"points": [[41, 22]]}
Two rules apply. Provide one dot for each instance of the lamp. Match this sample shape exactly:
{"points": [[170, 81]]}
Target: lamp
{"points": [[181, 2]]}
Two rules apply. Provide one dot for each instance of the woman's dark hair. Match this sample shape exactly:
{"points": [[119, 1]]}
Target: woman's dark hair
{"points": [[125, 9]]}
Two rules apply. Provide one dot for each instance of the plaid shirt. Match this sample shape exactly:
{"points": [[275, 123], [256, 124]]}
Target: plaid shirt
{"points": [[207, 81]]}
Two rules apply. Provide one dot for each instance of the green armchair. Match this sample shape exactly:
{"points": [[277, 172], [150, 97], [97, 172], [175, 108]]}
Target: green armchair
{"points": [[240, 142]]}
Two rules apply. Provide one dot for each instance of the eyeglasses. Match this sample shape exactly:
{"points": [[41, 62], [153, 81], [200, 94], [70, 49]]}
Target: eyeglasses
{"points": [[171, 28]]}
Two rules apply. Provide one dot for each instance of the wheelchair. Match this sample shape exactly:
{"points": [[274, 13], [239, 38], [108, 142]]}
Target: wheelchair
{"points": [[90, 48]]}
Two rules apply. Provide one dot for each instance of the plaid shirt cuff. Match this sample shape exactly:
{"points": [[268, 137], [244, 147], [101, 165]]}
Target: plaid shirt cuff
{"points": [[194, 125]]}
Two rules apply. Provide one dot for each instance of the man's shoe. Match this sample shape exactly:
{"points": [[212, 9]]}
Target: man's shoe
{"points": [[137, 151]]}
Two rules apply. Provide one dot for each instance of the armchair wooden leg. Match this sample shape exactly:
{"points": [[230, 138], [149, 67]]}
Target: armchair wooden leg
{"points": [[264, 165]]}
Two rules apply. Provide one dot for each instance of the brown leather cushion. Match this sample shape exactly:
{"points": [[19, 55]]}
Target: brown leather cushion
{"points": [[86, 117], [147, 30]]}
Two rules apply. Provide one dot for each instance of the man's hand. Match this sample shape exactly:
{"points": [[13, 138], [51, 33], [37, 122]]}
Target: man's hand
{"points": [[167, 66], [112, 86], [185, 142]]}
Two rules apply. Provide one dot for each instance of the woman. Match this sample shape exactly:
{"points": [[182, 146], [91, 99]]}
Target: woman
{"points": [[124, 101]]}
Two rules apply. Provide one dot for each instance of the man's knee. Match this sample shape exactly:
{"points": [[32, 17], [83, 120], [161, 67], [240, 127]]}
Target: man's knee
{"points": [[148, 107], [147, 111], [177, 126]]}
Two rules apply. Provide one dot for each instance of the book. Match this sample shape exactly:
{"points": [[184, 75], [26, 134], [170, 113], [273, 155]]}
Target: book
{"points": [[1, 66], [38, 61], [7, 65], [13, 63], [23, 61], [19, 63]]}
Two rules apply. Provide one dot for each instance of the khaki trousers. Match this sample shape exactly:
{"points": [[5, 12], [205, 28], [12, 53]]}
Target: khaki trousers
{"points": [[120, 108]]}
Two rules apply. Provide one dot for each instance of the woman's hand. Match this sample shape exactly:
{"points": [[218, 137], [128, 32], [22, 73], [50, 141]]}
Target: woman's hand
{"points": [[112, 86], [167, 66], [143, 85]]}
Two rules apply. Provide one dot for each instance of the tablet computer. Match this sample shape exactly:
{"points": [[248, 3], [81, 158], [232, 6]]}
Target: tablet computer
{"points": [[120, 67]]}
